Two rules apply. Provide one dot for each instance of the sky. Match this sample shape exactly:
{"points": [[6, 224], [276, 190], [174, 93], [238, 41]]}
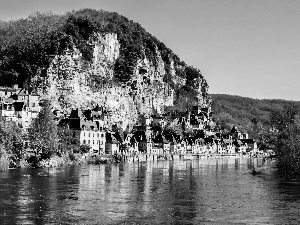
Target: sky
{"points": [[249, 48]]}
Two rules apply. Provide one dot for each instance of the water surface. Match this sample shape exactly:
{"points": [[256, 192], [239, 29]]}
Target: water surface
{"points": [[208, 191]]}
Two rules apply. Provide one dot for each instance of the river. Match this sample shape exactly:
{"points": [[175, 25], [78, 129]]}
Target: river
{"points": [[206, 191]]}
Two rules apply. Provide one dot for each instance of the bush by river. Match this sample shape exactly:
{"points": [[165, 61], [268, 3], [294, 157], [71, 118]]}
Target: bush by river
{"points": [[10, 161]]}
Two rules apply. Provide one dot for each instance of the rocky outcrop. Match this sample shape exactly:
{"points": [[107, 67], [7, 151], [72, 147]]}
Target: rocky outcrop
{"points": [[72, 82]]}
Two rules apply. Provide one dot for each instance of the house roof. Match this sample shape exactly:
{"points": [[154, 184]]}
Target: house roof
{"points": [[79, 124], [201, 140], [234, 130], [238, 143], [34, 93], [138, 136], [8, 89], [23, 92], [8, 100], [249, 141], [158, 138], [227, 141], [76, 113], [170, 138], [208, 140], [191, 140]]}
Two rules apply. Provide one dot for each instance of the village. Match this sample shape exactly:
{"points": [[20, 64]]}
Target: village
{"points": [[152, 136]]}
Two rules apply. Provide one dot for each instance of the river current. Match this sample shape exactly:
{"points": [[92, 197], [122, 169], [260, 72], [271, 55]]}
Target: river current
{"points": [[206, 191]]}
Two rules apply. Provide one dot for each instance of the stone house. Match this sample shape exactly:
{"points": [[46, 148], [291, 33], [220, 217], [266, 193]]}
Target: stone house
{"points": [[181, 146], [240, 146], [236, 134], [228, 147], [7, 110], [251, 145], [7, 92], [172, 143], [200, 146], [85, 132], [159, 121], [158, 145], [23, 116]]}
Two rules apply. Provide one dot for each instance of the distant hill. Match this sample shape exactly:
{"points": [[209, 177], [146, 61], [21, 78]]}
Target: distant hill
{"points": [[245, 113]]}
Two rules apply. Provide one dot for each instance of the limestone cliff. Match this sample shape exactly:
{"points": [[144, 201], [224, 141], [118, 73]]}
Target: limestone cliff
{"points": [[72, 82]]}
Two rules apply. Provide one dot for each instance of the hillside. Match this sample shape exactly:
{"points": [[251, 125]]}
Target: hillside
{"points": [[92, 57], [245, 113]]}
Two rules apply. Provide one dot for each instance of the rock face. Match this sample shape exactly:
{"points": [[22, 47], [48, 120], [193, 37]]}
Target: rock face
{"points": [[72, 82]]}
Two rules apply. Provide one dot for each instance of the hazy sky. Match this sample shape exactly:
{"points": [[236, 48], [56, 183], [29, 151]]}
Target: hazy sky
{"points": [[243, 47]]}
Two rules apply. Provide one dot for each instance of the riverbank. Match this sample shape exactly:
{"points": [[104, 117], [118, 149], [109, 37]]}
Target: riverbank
{"points": [[104, 159], [10, 162]]}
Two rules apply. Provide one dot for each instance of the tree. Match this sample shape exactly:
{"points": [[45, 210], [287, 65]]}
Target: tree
{"points": [[84, 148], [43, 135], [11, 139], [284, 124], [65, 136]]}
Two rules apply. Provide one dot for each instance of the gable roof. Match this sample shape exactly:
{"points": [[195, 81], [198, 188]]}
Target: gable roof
{"points": [[23, 92]]}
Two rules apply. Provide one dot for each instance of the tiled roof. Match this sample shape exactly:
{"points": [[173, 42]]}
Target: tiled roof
{"points": [[8, 100], [23, 91], [227, 141]]}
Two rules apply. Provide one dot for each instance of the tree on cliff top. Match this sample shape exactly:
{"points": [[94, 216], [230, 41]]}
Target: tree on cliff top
{"points": [[43, 132], [28, 45]]}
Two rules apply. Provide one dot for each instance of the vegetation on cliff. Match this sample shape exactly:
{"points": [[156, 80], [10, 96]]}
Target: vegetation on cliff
{"points": [[27, 46]]}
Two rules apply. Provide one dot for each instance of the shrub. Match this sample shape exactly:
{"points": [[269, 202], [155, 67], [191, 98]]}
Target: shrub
{"points": [[4, 162]]}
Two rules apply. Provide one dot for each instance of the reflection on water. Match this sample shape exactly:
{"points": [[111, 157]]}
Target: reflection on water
{"points": [[209, 191]]}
